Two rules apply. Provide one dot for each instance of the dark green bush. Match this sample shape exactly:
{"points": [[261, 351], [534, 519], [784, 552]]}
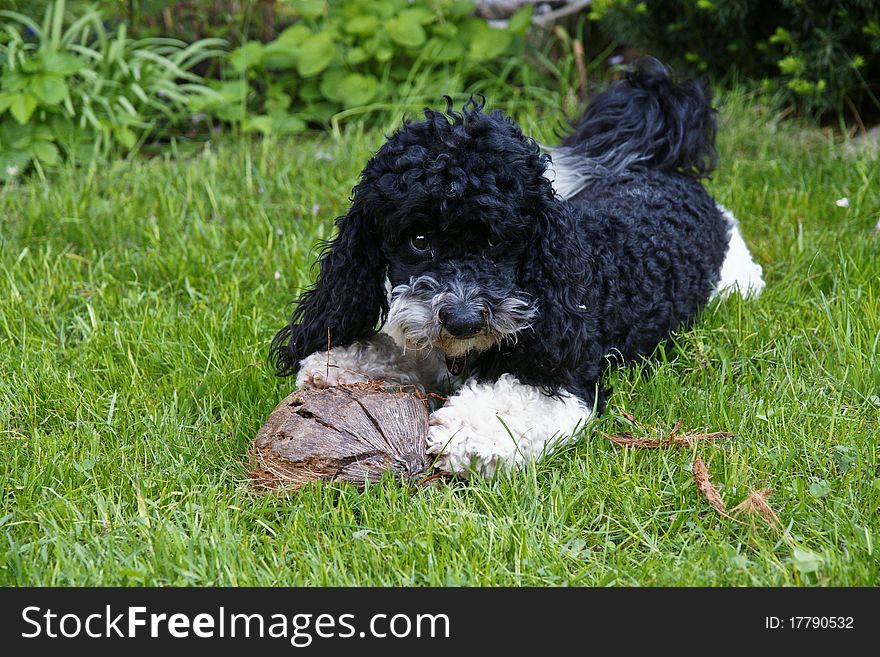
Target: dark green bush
{"points": [[820, 56]]}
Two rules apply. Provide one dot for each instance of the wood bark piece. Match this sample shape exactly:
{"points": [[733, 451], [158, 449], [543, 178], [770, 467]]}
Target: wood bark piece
{"points": [[349, 434]]}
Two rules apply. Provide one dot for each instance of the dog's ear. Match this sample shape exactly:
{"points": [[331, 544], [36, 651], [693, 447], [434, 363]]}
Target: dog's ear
{"points": [[347, 302]]}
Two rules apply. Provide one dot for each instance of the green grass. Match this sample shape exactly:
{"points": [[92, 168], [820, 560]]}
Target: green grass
{"points": [[137, 301]]}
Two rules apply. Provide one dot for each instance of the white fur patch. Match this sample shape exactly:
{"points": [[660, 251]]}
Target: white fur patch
{"points": [[570, 172], [414, 316], [488, 426], [377, 358], [565, 172], [739, 272]]}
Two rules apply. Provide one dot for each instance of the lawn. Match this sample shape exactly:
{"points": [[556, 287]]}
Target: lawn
{"points": [[138, 299]]}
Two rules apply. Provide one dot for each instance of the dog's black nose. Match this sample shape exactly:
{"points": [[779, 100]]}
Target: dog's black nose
{"points": [[462, 322]]}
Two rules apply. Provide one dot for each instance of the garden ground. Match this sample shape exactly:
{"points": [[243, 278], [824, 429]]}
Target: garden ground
{"points": [[138, 299]]}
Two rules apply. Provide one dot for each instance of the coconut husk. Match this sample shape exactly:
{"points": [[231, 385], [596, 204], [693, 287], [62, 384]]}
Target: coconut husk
{"points": [[353, 434], [704, 484]]}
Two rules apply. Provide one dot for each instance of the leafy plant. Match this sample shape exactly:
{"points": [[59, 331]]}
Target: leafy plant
{"points": [[341, 59], [188, 20], [83, 92]]}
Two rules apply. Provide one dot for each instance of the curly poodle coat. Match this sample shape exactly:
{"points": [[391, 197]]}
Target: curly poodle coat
{"points": [[459, 244]]}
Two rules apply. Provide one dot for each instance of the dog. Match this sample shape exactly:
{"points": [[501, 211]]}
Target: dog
{"points": [[472, 261]]}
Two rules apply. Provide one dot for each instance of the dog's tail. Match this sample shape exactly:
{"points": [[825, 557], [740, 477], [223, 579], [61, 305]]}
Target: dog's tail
{"points": [[644, 120]]}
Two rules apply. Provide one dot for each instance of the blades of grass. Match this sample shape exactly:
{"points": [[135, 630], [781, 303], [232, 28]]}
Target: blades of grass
{"points": [[24, 20], [199, 51], [78, 29], [86, 51], [138, 91], [126, 105], [57, 24], [46, 27], [168, 65]]}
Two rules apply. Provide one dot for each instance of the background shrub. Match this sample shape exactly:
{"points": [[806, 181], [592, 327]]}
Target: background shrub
{"points": [[81, 91], [821, 56], [236, 21], [119, 75], [353, 58]]}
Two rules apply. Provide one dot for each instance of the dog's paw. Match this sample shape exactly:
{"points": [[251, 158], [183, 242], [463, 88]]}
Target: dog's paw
{"points": [[490, 426], [317, 373], [466, 445]]}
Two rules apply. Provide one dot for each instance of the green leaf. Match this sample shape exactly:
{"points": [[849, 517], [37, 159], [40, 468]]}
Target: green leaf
{"points": [[520, 21], [14, 81], [316, 53], [820, 489], [357, 56], [124, 136], [365, 25], [50, 89], [384, 53], [445, 30], [420, 15], [309, 9], [63, 130], [235, 91], [22, 107], [247, 56], [791, 66], [310, 91], [31, 66], [460, 9], [277, 98], [805, 561], [281, 54], [232, 113], [286, 124], [384, 8], [60, 63], [22, 139], [46, 152], [320, 112], [331, 85], [406, 31], [5, 101], [487, 43], [43, 132], [444, 50], [261, 124], [295, 34], [847, 457], [358, 89]]}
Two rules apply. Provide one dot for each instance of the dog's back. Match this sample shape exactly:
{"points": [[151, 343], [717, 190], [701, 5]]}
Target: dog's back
{"points": [[631, 171], [643, 134]]}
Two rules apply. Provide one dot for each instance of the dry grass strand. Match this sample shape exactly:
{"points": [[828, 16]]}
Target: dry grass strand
{"points": [[756, 504], [701, 477]]}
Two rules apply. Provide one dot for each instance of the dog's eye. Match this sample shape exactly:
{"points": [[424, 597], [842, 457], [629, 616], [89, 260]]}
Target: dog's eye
{"points": [[419, 243], [493, 240]]}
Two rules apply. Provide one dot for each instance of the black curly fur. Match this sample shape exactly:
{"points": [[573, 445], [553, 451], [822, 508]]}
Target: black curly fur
{"points": [[645, 121], [348, 300], [634, 256]]}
